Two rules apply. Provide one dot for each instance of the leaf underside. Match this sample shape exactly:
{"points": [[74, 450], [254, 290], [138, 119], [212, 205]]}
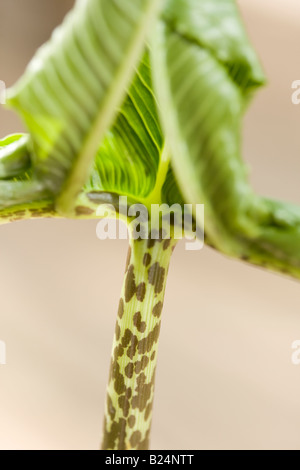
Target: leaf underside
{"points": [[97, 122], [69, 95], [204, 77]]}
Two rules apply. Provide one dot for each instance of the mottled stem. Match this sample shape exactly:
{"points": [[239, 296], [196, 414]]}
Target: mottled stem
{"points": [[130, 390]]}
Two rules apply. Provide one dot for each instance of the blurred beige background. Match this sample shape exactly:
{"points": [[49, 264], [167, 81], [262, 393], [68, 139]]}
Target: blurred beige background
{"points": [[225, 378]]}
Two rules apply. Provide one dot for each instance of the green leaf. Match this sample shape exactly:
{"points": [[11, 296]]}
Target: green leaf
{"points": [[132, 159], [128, 159], [14, 155], [17, 184], [204, 73], [69, 95], [201, 109], [216, 27]]}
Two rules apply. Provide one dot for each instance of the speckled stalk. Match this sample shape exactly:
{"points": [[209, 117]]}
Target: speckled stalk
{"points": [[130, 391]]}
